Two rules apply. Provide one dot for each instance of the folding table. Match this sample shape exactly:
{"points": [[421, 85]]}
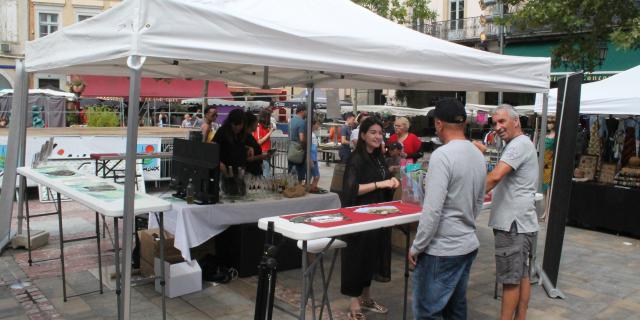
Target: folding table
{"points": [[104, 197]]}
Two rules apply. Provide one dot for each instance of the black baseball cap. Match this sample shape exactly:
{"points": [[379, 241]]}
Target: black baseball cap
{"points": [[395, 145], [450, 110]]}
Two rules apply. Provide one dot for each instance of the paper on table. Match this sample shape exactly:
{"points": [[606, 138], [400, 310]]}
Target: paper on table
{"points": [[378, 210]]}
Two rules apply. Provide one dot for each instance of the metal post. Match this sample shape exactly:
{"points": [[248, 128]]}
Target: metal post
{"points": [[501, 41], [309, 131], [543, 133], [15, 151], [135, 65]]}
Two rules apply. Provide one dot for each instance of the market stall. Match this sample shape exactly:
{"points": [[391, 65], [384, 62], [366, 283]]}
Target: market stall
{"points": [[324, 44], [607, 176]]}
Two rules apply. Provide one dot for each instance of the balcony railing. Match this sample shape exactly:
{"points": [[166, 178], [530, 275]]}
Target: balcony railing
{"points": [[458, 30], [469, 29]]}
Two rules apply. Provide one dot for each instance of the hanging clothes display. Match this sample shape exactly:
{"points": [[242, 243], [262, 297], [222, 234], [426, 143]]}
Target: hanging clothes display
{"points": [[629, 147], [595, 143], [549, 148]]}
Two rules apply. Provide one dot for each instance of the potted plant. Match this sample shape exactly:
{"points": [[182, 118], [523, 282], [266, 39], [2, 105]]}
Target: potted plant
{"points": [[77, 87]]}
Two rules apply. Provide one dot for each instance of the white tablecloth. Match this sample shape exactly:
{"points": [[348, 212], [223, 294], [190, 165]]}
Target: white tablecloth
{"points": [[194, 224]]}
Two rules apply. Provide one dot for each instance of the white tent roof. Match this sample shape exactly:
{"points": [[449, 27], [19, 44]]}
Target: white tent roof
{"points": [[49, 92], [221, 102], [617, 94], [522, 110], [396, 111], [330, 43]]}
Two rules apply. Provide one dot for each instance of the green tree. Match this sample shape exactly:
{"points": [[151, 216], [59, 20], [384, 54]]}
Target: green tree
{"points": [[396, 11], [584, 26]]}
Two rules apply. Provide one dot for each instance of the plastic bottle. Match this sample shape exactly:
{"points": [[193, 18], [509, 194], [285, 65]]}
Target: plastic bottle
{"points": [[190, 192]]}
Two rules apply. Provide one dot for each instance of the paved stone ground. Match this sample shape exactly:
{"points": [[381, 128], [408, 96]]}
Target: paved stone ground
{"points": [[599, 275]]}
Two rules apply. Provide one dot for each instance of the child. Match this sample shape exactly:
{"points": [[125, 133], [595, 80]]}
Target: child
{"points": [[315, 170], [394, 155]]}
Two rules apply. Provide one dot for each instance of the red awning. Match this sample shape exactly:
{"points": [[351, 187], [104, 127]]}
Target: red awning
{"points": [[103, 86]]}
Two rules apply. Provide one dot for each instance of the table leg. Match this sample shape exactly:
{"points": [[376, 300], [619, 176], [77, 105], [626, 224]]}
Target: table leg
{"points": [[99, 251], [162, 282], [303, 297], [116, 248], [59, 212], [23, 197], [407, 234]]}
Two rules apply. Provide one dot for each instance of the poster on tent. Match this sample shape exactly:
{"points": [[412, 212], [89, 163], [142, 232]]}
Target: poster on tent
{"points": [[74, 151]]}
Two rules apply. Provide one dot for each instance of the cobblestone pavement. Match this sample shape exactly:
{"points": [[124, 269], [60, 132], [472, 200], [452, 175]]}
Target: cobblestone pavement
{"points": [[598, 273]]}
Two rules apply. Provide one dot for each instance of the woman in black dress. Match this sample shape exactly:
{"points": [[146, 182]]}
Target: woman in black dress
{"points": [[231, 138], [366, 181]]}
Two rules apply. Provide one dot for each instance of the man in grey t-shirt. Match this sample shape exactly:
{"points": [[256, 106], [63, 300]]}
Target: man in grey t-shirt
{"points": [[446, 242], [513, 217]]}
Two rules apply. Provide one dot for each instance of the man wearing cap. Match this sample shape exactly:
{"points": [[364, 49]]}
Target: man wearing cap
{"points": [[446, 243], [513, 216]]}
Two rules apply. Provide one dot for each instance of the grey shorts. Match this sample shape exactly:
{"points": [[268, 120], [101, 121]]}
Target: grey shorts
{"points": [[514, 253]]}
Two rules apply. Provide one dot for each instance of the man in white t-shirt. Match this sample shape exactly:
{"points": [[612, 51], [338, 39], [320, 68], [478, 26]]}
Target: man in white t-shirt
{"points": [[513, 216]]}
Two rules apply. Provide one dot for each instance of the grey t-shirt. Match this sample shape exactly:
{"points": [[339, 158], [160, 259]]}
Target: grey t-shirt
{"points": [[454, 195], [514, 196]]}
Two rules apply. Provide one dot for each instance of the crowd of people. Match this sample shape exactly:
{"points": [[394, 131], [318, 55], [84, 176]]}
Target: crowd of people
{"points": [[446, 244]]}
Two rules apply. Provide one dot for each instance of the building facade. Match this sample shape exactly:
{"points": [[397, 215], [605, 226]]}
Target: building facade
{"points": [[466, 23], [13, 35], [48, 16]]}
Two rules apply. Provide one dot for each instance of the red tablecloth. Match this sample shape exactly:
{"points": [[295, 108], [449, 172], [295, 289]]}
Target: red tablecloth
{"points": [[352, 217]]}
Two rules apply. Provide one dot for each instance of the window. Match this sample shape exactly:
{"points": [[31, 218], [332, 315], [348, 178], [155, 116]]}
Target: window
{"points": [[47, 23], [82, 17], [50, 81], [456, 14], [84, 13]]}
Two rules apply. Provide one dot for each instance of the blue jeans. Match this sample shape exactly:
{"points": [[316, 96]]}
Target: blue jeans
{"points": [[440, 286]]}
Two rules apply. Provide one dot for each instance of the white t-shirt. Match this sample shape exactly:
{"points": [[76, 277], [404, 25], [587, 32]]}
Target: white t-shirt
{"points": [[514, 196]]}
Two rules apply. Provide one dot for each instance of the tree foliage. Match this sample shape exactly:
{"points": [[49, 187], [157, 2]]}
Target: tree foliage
{"points": [[584, 25], [396, 11]]}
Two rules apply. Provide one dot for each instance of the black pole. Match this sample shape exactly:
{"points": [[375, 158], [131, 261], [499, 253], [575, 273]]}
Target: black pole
{"points": [[267, 272], [567, 113]]}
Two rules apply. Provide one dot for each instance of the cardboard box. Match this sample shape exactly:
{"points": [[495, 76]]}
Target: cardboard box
{"points": [[180, 278], [150, 249]]}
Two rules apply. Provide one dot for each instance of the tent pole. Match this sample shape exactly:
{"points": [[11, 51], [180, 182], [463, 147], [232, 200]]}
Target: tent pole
{"points": [[543, 134], [135, 66], [310, 97], [15, 153]]}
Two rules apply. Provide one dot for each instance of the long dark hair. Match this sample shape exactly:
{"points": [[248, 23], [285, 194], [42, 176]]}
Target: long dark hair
{"points": [[264, 118], [361, 145], [236, 116], [249, 120]]}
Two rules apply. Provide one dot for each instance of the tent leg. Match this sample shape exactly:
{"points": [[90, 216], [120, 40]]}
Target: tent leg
{"points": [[309, 131], [15, 151], [543, 134], [135, 66]]}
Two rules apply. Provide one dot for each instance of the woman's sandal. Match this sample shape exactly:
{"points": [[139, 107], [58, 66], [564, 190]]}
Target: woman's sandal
{"points": [[356, 315], [373, 306]]}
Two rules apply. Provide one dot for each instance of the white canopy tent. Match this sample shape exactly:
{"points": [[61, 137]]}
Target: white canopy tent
{"points": [[396, 111], [250, 105], [474, 108], [264, 43], [617, 94]]}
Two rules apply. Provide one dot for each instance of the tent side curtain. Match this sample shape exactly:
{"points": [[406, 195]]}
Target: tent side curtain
{"points": [[330, 43]]}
